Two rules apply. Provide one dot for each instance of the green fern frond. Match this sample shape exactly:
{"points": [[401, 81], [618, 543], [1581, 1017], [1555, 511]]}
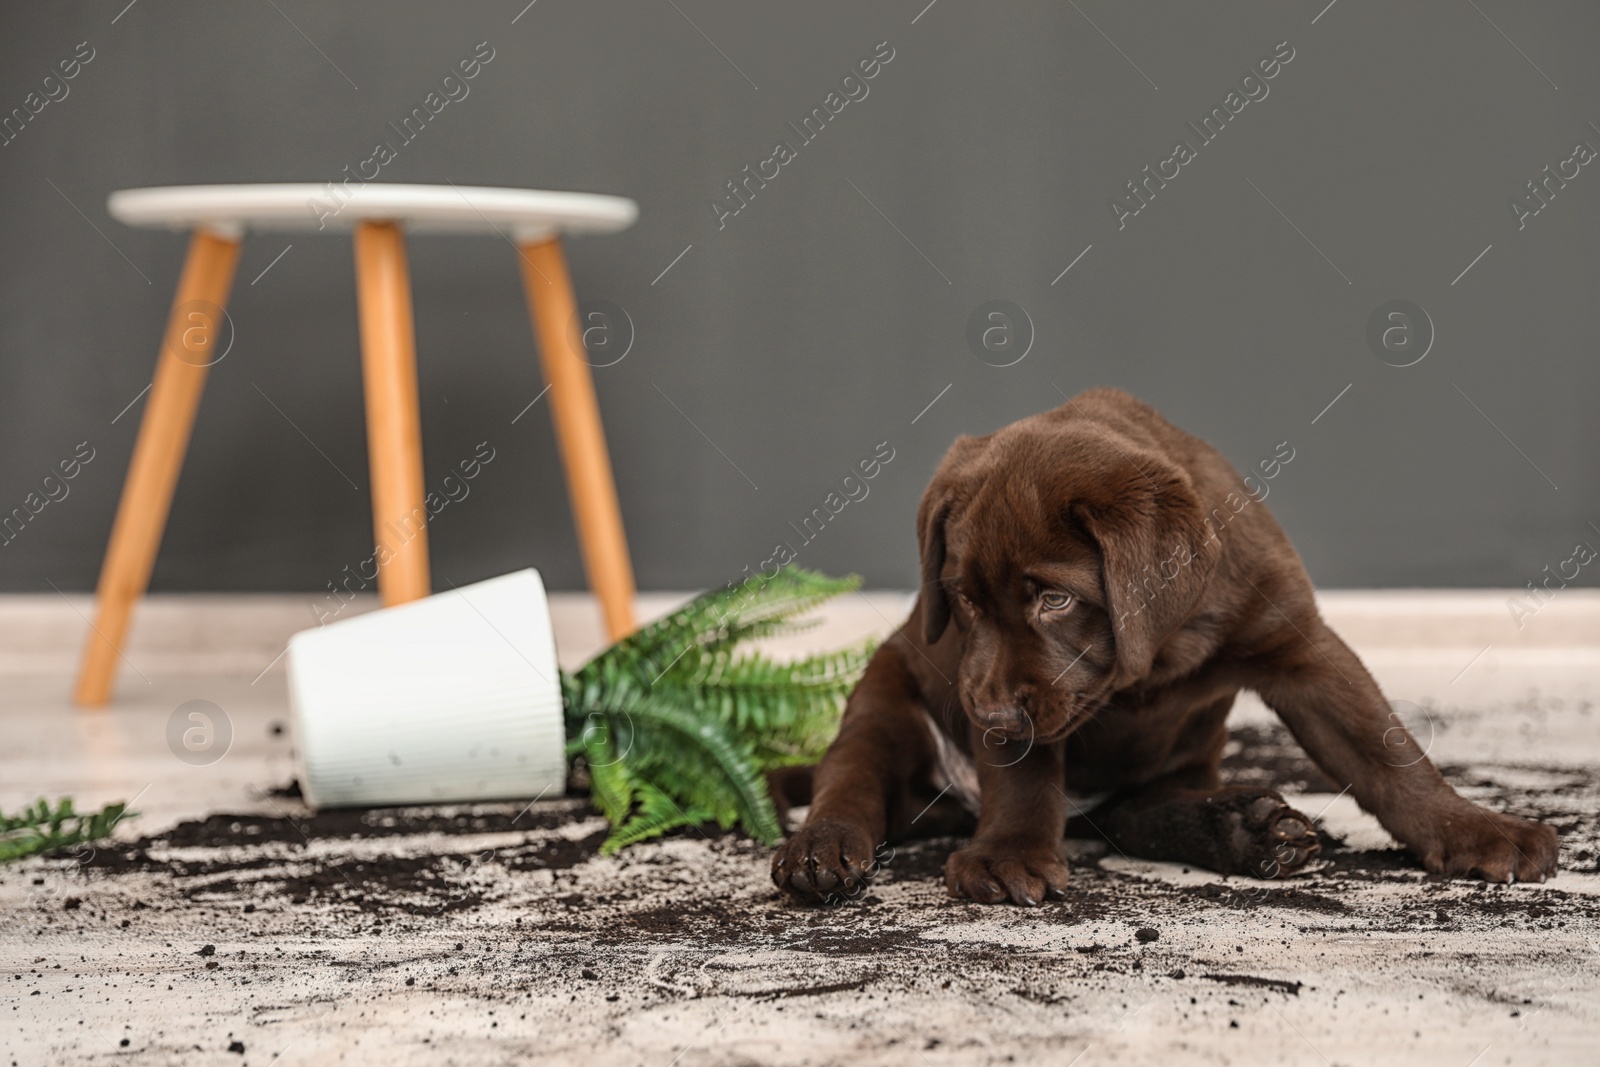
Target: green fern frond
{"points": [[678, 725], [657, 813], [662, 717], [41, 828], [760, 606], [610, 784], [675, 763], [769, 699]]}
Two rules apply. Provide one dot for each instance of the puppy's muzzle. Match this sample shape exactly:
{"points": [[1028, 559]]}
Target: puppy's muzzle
{"points": [[1010, 722]]}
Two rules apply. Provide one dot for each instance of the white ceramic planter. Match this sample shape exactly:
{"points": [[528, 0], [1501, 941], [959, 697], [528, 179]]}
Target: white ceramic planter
{"points": [[455, 697]]}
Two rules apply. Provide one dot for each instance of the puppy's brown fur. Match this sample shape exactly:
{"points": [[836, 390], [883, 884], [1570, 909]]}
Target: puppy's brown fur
{"points": [[1097, 587]]}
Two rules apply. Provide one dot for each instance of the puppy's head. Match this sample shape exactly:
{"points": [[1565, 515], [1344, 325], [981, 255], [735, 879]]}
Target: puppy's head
{"points": [[1061, 554]]}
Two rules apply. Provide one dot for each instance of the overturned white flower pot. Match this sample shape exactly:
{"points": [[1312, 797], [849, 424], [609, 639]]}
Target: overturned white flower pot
{"points": [[456, 697]]}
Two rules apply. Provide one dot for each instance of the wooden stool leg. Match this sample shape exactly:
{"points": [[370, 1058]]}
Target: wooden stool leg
{"points": [[578, 431], [394, 420], [187, 352]]}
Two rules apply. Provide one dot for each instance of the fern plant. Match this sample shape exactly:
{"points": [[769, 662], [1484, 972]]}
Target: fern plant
{"points": [[43, 828], [678, 726]]}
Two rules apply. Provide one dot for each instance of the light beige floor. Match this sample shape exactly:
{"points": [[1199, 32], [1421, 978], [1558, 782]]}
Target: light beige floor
{"points": [[680, 952]]}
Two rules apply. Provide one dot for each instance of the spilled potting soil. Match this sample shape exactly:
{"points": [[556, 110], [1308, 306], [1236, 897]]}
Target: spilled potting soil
{"points": [[315, 920]]}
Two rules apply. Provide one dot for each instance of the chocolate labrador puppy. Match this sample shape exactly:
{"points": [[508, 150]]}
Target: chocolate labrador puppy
{"points": [[1097, 586]]}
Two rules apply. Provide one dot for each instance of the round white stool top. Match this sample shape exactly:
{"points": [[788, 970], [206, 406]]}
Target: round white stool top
{"points": [[522, 214]]}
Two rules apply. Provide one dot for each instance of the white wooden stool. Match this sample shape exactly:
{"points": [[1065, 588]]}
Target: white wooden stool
{"points": [[220, 215]]}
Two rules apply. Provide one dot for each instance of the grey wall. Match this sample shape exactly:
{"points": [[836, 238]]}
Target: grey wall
{"points": [[825, 316]]}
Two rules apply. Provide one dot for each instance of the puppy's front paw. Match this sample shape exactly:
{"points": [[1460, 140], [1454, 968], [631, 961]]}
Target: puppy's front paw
{"points": [[825, 858], [992, 873], [1475, 843]]}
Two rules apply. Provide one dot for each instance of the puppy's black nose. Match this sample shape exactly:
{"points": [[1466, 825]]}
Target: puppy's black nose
{"points": [[1008, 721]]}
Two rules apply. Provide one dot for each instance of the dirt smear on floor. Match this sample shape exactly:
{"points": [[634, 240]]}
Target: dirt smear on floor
{"points": [[434, 860]]}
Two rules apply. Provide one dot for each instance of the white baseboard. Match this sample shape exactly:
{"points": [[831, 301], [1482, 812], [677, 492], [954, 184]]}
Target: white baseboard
{"points": [[241, 633]]}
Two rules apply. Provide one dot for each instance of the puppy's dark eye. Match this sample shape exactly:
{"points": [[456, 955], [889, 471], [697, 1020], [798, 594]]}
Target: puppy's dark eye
{"points": [[1055, 601]]}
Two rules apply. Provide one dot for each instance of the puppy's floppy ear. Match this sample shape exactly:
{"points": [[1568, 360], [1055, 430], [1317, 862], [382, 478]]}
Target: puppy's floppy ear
{"points": [[1157, 555], [944, 494], [931, 517]]}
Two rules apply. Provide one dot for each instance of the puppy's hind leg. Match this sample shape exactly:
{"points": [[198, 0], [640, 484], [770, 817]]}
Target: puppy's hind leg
{"points": [[1186, 819], [1334, 708]]}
